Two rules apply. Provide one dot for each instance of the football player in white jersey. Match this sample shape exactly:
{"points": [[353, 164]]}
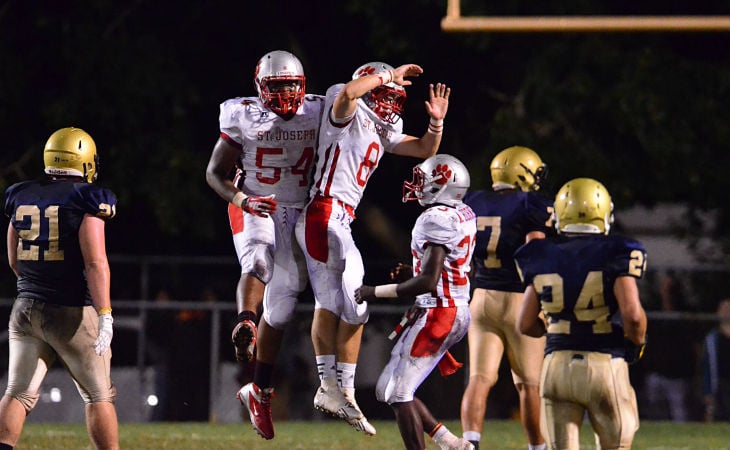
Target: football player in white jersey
{"points": [[362, 123], [270, 140], [442, 244]]}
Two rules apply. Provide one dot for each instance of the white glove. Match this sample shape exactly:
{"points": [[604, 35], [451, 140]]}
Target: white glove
{"points": [[105, 333]]}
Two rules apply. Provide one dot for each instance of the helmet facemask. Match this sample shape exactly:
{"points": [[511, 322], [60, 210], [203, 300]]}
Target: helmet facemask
{"points": [[387, 102], [284, 102]]}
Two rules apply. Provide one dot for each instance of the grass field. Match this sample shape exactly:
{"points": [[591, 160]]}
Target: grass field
{"points": [[498, 435]]}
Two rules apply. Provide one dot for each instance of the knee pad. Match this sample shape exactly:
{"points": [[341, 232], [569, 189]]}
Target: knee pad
{"points": [[107, 395], [27, 400], [258, 260], [281, 314]]}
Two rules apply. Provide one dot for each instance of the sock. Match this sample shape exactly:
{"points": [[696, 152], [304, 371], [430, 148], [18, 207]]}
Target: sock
{"points": [[5, 446], [441, 435], [474, 437], [537, 446], [261, 375], [346, 375], [437, 431], [247, 315], [326, 369]]}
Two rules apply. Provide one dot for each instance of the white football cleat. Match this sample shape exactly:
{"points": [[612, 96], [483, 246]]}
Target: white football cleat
{"points": [[332, 401]]}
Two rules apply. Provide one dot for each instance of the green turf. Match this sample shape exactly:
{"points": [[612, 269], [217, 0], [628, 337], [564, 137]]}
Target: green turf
{"points": [[497, 435]]}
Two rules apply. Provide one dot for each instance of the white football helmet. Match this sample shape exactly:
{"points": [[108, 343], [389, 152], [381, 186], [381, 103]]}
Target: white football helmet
{"points": [[387, 100], [273, 70], [583, 205], [439, 179]]}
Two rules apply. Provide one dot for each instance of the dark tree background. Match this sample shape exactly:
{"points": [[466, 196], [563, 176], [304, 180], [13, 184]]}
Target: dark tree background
{"points": [[646, 113]]}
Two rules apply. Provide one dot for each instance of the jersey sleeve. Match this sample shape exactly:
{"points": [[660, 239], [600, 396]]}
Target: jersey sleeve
{"points": [[433, 227], [629, 258], [98, 201], [9, 195], [230, 112], [539, 214]]}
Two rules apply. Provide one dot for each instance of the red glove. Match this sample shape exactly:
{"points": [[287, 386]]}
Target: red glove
{"points": [[260, 206]]}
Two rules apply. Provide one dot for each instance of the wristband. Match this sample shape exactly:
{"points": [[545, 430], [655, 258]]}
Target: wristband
{"points": [[436, 126], [105, 310], [238, 199], [385, 76], [386, 291]]}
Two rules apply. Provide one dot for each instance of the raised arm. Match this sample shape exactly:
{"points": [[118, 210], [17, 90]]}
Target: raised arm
{"points": [[427, 145], [345, 103]]}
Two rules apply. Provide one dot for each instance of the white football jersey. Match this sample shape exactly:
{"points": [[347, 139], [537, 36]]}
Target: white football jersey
{"points": [[349, 153], [277, 154], [455, 229]]}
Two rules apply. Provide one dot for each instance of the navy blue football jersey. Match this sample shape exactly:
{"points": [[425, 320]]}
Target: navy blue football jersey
{"points": [[47, 216], [504, 218], [574, 279]]}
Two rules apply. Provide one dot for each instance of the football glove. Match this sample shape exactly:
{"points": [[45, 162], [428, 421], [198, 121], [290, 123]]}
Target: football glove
{"points": [[260, 206], [633, 352], [106, 332]]}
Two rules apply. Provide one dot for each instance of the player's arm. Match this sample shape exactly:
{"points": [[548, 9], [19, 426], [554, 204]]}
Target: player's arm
{"points": [[529, 321], [427, 145], [13, 248], [98, 276], [221, 163], [534, 235], [632, 313], [426, 281], [93, 250], [345, 103]]}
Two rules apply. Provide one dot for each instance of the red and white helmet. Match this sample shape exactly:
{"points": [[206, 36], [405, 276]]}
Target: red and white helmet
{"points": [[387, 100], [439, 179], [279, 67]]}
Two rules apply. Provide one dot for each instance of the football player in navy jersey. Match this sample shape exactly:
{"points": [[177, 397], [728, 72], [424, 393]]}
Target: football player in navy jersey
{"points": [[584, 282], [508, 215], [56, 247]]}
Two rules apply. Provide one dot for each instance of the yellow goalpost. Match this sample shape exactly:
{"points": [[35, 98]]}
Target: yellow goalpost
{"points": [[455, 22]]}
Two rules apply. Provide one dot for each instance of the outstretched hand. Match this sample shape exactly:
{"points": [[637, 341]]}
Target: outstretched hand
{"points": [[406, 70], [364, 294], [438, 102]]}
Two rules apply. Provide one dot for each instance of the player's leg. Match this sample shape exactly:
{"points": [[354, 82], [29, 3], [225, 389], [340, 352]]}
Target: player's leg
{"points": [[102, 425], [90, 371], [280, 299], [350, 328], [319, 239], [566, 385], [486, 348], [254, 241], [525, 355], [612, 406], [28, 361]]}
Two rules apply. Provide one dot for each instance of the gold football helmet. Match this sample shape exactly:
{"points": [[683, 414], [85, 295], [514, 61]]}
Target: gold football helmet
{"points": [[517, 167], [583, 205], [71, 152]]}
